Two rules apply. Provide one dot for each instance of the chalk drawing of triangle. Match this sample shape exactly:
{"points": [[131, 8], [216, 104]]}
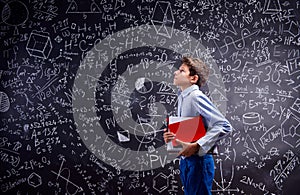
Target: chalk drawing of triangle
{"points": [[95, 8], [249, 144], [272, 7], [122, 138], [91, 81], [29, 80], [218, 96], [87, 7], [73, 8], [228, 26]]}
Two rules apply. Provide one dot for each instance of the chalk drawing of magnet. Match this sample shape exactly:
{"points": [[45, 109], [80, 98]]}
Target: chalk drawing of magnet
{"points": [[39, 45], [251, 118]]}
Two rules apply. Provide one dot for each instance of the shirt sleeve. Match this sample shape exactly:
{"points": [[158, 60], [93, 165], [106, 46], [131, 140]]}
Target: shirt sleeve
{"points": [[217, 125]]}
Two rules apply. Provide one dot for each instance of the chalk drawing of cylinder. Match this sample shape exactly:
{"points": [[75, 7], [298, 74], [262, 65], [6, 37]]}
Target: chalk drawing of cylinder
{"points": [[39, 45], [251, 118], [4, 102]]}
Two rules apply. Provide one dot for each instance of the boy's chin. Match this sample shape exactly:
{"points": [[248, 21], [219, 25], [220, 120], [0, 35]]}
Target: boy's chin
{"points": [[174, 83]]}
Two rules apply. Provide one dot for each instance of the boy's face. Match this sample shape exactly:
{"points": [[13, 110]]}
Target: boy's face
{"points": [[182, 77]]}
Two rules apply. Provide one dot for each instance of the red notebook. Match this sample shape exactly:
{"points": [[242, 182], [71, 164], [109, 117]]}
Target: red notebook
{"points": [[187, 129]]}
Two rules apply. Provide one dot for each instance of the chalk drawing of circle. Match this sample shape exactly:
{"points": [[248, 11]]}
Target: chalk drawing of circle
{"points": [[4, 102], [79, 100], [143, 85], [251, 118], [148, 132], [14, 13]]}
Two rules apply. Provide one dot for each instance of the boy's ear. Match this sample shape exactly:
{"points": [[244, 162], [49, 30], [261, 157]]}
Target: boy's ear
{"points": [[194, 79]]}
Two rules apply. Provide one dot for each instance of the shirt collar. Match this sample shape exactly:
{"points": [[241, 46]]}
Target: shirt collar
{"points": [[188, 90]]}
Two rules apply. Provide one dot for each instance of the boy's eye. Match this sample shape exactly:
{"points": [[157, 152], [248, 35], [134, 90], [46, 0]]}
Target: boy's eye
{"points": [[180, 70]]}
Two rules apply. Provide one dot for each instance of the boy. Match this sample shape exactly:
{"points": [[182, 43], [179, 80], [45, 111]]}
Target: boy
{"points": [[196, 161]]}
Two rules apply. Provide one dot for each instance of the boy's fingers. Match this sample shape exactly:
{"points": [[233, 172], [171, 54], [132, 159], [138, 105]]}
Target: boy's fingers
{"points": [[183, 144], [168, 136], [181, 152], [180, 142]]}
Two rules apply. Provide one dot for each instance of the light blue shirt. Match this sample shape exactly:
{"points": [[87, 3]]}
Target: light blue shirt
{"points": [[193, 102]]}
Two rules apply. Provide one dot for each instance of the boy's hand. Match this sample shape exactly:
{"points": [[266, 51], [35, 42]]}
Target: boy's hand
{"points": [[168, 136], [188, 148]]}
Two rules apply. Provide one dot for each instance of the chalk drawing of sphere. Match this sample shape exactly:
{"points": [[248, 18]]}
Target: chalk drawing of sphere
{"points": [[143, 85], [145, 133], [14, 13], [4, 102]]}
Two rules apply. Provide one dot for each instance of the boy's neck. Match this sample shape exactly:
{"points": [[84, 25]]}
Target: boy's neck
{"points": [[182, 88]]}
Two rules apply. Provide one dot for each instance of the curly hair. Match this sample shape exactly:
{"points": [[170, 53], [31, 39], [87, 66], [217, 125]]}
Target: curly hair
{"points": [[197, 67]]}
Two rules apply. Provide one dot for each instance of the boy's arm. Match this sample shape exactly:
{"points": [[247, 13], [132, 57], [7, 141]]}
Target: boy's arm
{"points": [[217, 125], [188, 149]]}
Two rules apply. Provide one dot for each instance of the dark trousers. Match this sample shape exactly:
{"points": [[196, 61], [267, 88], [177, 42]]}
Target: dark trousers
{"points": [[197, 174]]}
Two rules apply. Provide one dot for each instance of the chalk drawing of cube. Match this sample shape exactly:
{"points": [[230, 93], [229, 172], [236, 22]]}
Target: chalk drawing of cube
{"points": [[39, 45]]}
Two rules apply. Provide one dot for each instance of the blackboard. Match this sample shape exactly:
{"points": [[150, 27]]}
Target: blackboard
{"points": [[86, 85]]}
